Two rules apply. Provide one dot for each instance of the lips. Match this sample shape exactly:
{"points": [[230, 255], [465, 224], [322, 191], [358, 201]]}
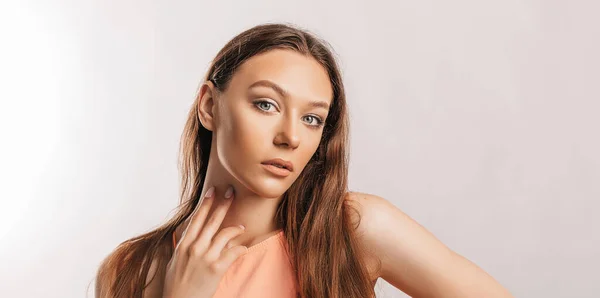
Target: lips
{"points": [[281, 163]]}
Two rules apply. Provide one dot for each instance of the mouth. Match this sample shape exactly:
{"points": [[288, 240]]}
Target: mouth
{"points": [[280, 163], [277, 171], [279, 166]]}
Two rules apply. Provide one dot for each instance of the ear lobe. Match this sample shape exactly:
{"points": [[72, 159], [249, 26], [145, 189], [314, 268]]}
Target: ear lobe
{"points": [[205, 106]]}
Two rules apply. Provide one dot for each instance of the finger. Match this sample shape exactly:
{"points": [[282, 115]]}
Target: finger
{"points": [[198, 218], [230, 255], [214, 222], [222, 238]]}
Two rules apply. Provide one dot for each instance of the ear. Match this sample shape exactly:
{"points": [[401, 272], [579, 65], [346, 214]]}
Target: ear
{"points": [[206, 104]]}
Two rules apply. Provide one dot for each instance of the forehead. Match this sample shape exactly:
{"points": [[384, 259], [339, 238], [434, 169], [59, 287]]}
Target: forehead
{"points": [[303, 77]]}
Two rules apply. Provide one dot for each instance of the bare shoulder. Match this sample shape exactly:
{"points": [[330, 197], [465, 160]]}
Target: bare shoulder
{"points": [[371, 211], [412, 259], [393, 240], [365, 217]]}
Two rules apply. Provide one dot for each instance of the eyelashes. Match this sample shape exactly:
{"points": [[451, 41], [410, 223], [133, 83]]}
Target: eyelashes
{"points": [[258, 103]]}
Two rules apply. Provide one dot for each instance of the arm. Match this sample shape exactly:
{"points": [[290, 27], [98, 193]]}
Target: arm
{"points": [[413, 260], [154, 280]]}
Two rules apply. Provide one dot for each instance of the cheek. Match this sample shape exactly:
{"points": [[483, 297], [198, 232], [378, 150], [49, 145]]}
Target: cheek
{"points": [[243, 138], [249, 131], [307, 154]]}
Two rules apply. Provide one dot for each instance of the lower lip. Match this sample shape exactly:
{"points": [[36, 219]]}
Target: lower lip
{"points": [[277, 171]]}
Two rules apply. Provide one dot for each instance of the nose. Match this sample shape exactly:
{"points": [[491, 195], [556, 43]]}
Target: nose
{"points": [[288, 134]]}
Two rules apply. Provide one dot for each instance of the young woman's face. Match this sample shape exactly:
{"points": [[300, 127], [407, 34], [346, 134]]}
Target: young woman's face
{"points": [[254, 122]]}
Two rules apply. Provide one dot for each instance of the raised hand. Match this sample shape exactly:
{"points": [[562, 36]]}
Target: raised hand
{"points": [[200, 258]]}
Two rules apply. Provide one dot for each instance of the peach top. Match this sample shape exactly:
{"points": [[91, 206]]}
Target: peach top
{"points": [[263, 271]]}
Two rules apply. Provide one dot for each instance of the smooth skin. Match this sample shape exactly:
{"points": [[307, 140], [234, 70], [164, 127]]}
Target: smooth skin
{"points": [[276, 119], [201, 255]]}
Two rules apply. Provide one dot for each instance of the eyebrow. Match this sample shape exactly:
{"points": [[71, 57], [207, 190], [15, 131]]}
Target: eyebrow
{"points": [[283, 93]]}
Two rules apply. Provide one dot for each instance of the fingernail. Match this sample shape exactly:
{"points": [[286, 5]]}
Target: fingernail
{"points": [[210, 192], [242, 226], [229, 192]]}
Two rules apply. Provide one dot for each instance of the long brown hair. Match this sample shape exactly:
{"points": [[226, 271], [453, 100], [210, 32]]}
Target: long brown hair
{"points": [[314, 212]]}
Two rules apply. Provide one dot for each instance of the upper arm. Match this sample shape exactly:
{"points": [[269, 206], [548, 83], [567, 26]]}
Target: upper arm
{"points": [[107, 274], [414, 260], [155, 279]]}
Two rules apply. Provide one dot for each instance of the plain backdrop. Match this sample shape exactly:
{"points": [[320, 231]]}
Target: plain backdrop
{"points": [[479, 119]]}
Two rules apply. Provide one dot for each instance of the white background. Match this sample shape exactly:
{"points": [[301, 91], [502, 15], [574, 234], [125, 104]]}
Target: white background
{"points": [[479, 119]]}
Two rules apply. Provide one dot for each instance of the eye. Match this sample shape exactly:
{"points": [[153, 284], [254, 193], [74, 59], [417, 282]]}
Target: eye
{"points": [[318, 120], [263, 106], [263, 103]]}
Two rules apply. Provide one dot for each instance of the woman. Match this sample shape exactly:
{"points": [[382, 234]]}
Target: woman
{"points": [[265, 210]]}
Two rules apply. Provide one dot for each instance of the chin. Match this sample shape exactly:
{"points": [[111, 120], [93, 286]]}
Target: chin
{"points": [[263, 184], [271, 189], [267, 187]]}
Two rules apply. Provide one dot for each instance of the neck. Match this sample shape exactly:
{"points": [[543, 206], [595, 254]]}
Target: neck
{"points": [[255, 212]]}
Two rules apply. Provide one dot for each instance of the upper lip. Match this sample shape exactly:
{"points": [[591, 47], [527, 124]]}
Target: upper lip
{"points": [[281, 162]]}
